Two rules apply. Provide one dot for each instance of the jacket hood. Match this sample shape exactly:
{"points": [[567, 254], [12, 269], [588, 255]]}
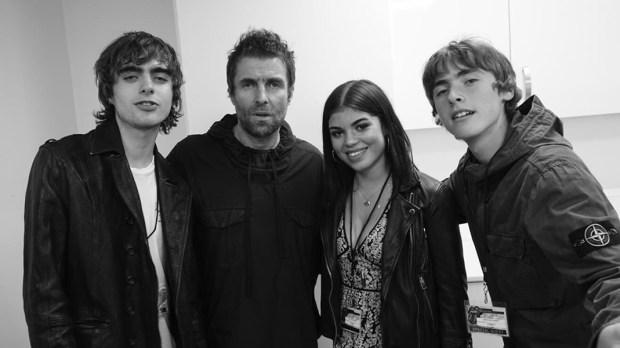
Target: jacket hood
{"points": [[531, 127], [243, 156]]}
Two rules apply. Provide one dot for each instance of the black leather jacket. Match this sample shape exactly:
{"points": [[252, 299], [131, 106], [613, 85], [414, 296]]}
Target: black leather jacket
{"points": [[423, 277], [88, 276]]}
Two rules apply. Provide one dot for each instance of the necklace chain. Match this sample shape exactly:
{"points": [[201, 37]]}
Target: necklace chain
{"points": [[156, 218], [375, 206], [367, 200]]}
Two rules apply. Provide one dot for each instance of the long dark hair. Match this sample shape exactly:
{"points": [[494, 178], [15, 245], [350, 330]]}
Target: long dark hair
{"points": [[365, 96]]}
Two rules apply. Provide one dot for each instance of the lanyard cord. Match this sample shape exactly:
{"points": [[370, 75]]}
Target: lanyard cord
{"points": [[374, 207]]}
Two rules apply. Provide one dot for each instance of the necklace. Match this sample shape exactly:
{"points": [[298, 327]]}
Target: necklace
{"points": [[367, 200], [375, 206], [156, 218]]}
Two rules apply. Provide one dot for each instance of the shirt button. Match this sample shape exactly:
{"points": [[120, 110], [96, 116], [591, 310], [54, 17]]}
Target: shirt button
{"points": [[129, 220], [130, 310], [132, 342], [411, 211], [131, 280]]}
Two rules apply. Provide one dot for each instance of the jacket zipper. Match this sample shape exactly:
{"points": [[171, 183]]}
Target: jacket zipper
{"points": [[428, 302]]}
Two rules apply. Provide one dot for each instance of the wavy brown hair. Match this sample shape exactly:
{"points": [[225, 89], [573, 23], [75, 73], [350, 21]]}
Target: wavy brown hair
{"points": [[136, 48]]}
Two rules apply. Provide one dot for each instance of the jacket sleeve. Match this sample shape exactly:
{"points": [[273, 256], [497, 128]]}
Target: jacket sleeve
{"points": [[446, 252], [566, 204], [46, 304]]}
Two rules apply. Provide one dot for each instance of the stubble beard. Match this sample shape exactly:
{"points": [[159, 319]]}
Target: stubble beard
{"points": [[261, 129]]}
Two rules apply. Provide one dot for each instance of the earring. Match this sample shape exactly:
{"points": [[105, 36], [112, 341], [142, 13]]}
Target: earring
{"points": [[334, 156], [387, 140]]}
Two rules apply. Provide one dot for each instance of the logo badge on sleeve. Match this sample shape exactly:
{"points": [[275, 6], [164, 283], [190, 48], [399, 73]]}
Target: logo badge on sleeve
{"points": [[593, 237]]}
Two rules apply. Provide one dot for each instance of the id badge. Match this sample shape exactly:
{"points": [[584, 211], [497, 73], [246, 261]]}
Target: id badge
{"points": [[488, 319], [352, 319]]}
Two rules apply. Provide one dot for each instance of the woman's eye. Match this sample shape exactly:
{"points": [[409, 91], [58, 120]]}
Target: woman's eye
{"points": [[362, 126], [336, 134]]}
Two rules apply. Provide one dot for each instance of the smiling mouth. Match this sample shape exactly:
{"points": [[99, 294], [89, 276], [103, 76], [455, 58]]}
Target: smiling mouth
{"points": [[354, 154], [462, 114]]}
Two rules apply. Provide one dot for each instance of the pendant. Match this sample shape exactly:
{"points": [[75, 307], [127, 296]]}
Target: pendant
{"points": [[367, 203]]}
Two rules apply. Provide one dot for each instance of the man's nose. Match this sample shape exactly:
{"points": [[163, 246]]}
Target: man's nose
{"points": [[261, 95], [455, 95], [147, 86]]}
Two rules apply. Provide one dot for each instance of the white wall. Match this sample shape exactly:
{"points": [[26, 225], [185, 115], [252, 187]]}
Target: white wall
{"points": [[37, 105]]}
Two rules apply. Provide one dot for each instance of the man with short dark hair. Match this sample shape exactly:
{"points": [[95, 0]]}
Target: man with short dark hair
{"points": [[108, 260], [256, 200]]}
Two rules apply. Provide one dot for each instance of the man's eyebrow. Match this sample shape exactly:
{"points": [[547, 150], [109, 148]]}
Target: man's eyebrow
{"points": [[465, 72], [442, 81], [160, 70], [246, 80], [139, 69], [129, 69]]}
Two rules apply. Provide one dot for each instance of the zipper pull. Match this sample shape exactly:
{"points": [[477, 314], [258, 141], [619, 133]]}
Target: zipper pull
{"points": [[422, 282]]}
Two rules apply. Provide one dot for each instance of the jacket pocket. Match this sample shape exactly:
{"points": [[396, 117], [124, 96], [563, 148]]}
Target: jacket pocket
{"points": [[222, 236], [86, 325], [518, 278], [92, 332], [301, 236]]}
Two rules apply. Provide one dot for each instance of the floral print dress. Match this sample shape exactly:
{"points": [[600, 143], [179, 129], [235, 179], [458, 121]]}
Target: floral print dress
{"points": [[361, 286]]}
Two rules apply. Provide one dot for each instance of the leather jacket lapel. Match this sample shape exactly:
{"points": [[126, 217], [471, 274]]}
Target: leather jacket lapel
{"points": [[107, 143]]}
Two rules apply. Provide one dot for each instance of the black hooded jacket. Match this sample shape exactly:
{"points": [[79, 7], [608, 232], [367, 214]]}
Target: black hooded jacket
{"points": [[257, 228]]}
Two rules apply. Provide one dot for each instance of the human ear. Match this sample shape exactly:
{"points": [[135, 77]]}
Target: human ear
{"points": [[231, 97], [507, 95], [290, 94]]}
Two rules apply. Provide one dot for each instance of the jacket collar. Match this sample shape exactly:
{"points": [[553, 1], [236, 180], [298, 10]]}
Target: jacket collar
{"points": [[107, 139], [531, 127]]}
